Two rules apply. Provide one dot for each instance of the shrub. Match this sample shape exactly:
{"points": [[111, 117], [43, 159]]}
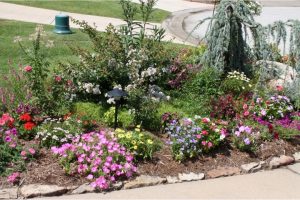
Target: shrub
{"points": [[140, 143], [97, 157], [189, 138]]}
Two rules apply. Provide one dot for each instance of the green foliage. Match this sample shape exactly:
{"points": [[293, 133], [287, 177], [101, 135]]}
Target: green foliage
{"points": [[195, 95], [140, 143], [286, 133], [125, 118], [8, 156], [92, 111]]}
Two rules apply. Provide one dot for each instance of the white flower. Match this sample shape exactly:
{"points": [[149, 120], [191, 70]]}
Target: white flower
{"points": [[111, 101]]}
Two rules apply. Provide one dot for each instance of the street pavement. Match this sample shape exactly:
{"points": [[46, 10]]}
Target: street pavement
{"points": [[276, 184]]}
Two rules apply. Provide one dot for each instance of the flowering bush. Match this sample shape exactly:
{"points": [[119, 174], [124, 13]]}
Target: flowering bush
{"points": [[245, 138], [98, 157], [141, 144], [236, 83], [276, 107], [189, 138]]}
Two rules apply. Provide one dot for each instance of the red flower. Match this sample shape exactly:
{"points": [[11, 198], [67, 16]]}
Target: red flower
{"points": [[25, 117], [276, 136], [29, 126], [279, 88], [270, 128]]}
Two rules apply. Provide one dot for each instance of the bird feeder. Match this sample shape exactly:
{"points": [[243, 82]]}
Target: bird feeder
{"points": [[62, 25]]}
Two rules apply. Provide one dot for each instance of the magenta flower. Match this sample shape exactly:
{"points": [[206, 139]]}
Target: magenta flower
{"points": [[14, 178]]}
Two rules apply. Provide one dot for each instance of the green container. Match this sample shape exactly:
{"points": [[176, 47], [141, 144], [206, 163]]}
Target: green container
{"points": [[62, 25]]}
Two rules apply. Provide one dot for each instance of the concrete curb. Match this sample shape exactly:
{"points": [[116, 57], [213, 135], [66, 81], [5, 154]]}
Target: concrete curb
{"points": [[175, 24]]}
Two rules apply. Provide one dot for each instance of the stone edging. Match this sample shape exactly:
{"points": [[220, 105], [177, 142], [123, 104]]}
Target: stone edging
{"points": [[36, 190], [174, 24]]}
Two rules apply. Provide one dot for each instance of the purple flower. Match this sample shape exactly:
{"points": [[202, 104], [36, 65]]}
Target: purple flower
{"points": [[247, 141]]}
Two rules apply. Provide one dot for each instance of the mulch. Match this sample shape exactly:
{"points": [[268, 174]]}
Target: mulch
{"points": [[47, 170]]}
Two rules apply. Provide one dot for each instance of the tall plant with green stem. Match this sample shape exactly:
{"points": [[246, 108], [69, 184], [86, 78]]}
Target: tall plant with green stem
{"points": [[39, 69]]}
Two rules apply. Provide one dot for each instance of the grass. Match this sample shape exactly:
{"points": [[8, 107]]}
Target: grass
{"points": [[12, 56], [11, 52], [106, 8]]}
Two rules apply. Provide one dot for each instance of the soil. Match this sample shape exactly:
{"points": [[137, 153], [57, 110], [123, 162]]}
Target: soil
{"points": [[47, 170]]}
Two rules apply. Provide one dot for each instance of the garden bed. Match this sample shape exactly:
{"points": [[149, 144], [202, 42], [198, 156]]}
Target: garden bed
{"points": [[46, 170]]}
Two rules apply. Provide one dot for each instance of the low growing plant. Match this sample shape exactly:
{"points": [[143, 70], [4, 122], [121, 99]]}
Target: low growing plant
{"points": [[98, 157], [191, 137], [140, 143]]}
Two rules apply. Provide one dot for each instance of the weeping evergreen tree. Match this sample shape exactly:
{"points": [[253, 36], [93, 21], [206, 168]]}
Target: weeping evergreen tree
{"points": [[227, 35]]}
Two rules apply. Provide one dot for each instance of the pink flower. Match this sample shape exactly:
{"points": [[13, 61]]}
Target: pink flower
{"points": [[245, 106], [205, 120], [14, 178], [203, 143], [204, 132], [32, 151], [23, 153], [90, 176], [246, 113], [28, 68], [209, 144], [198, 136], [58, 78], [279, 88]]}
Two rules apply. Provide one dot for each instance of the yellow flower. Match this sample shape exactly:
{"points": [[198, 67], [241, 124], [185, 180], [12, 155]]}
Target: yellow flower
{"points": [[138, 126], [149, 141], [128, 135], [118, 130], [121, 135], [135, 147], [141, 135], [137, 129], [133, 142]]}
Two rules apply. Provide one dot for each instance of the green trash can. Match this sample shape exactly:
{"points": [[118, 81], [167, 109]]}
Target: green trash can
{"points": [[62, 25]]}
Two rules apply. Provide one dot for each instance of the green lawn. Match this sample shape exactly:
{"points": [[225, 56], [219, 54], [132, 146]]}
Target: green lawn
{"points": [[10, 51], [107, 8]]}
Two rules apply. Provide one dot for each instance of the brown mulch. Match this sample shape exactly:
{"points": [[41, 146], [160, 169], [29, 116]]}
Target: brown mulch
{"points": [[225, 156], [47, 170]]}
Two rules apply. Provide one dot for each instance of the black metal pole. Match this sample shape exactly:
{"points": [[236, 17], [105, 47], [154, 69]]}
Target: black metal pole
{"points": [[116, 115]]}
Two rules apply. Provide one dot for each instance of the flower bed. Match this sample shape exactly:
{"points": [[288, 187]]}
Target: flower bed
{"points": [[175, 115]]}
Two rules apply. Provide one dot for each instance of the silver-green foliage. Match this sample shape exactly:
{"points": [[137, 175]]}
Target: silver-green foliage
{"points": [[227, 36]]}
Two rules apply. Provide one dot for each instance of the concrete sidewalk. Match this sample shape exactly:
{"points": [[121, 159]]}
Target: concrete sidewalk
{"points": [[276, 184]]}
